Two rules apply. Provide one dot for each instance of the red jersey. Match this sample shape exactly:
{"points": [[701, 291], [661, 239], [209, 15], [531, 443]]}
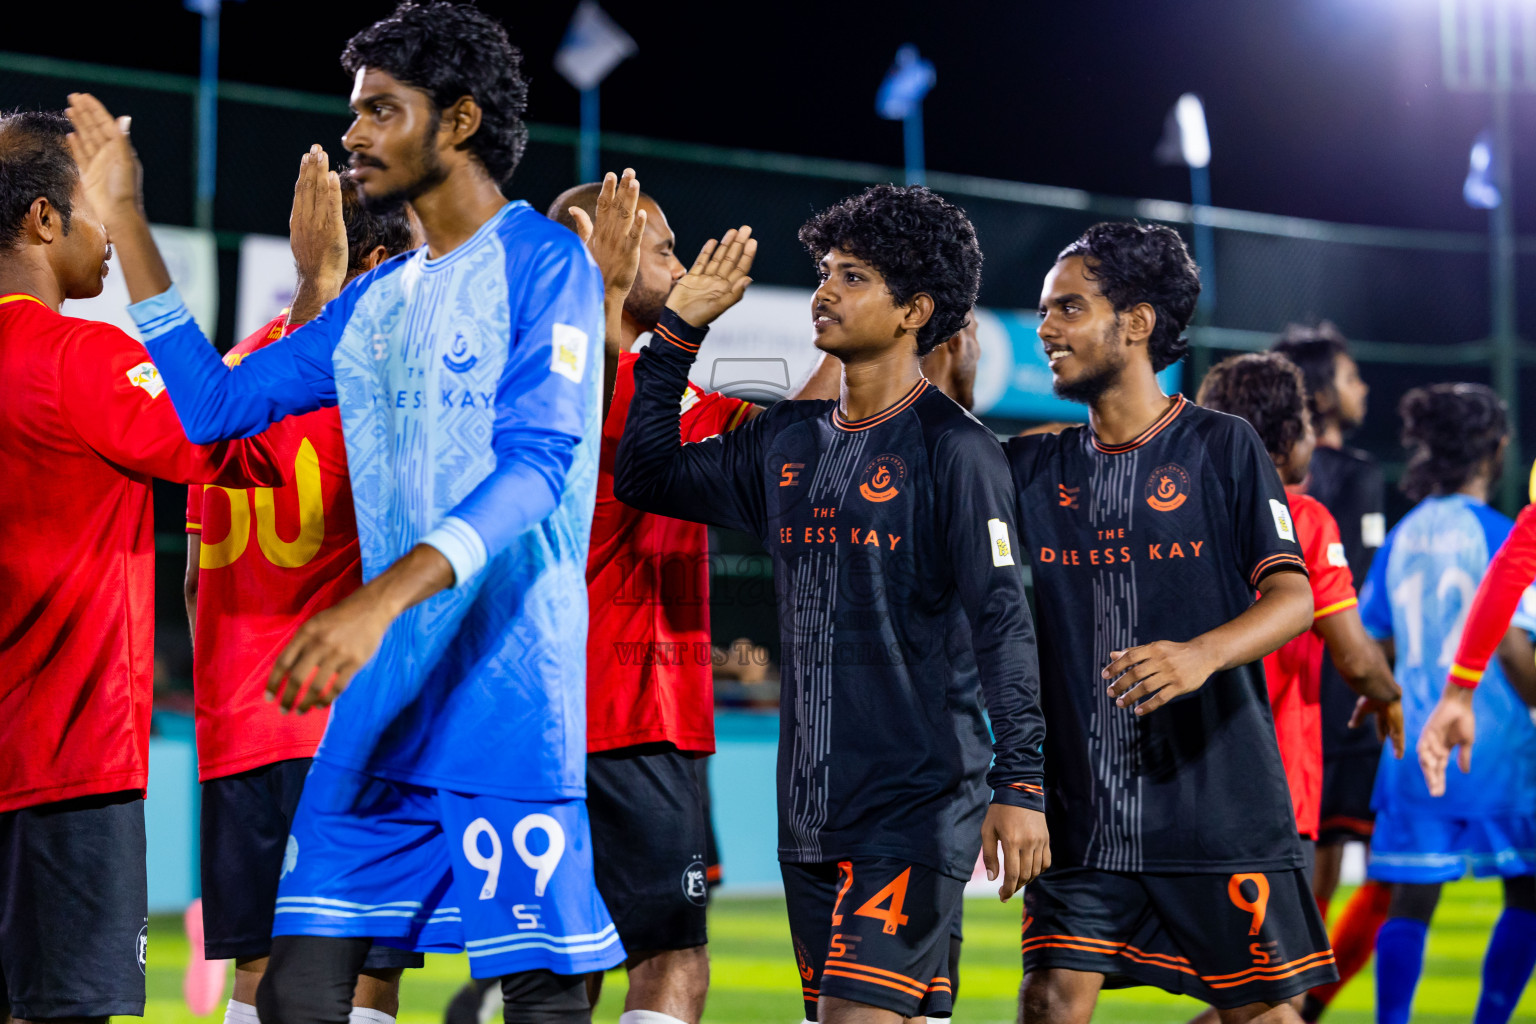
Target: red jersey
{"points": [[1509, 574], [270, 558], [1294, 672], [84, 426], [650, 677]]}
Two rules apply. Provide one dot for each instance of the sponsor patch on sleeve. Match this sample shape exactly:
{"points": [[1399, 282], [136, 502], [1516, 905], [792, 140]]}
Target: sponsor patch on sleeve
{"points": [[1002, 551], [1336, 556], [1373, 529], [568, 354], [147, 377], [1283, 525]]}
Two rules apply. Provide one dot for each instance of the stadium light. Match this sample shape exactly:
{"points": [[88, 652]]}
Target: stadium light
{"points": [[900, 98]]}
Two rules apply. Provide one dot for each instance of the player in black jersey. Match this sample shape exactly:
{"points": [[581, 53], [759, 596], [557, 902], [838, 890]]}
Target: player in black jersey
{"points": [[1176, 861], [1350, 485], [889, 515]]}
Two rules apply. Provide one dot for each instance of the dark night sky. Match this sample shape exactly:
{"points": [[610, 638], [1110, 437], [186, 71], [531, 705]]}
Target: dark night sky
{"points": [[1321, 108]]}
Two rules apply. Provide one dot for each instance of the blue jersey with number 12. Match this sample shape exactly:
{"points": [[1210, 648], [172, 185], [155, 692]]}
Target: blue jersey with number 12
{"points": [[1419, 592], [468, 391]]}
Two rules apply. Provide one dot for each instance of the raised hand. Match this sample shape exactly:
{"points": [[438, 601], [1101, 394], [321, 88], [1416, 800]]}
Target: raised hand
{"points": [[717, 279], [614, 239], [317, 234], [109, 168]]}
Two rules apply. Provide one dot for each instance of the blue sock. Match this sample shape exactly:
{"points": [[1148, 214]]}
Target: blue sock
{"points": [[1511, 958], [1399, 962]]}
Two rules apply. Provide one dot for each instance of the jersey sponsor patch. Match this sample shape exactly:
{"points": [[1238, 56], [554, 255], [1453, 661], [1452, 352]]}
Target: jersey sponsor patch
{"points": [[1373, 529], [1284, 528], [1002, 551], [690, 399], [147, 377], [568, 354], [1337, 557]]}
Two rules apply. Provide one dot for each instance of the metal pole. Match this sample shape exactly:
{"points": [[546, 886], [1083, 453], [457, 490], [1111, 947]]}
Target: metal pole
{"points": [[586, 156], [912, 144], [1506, 368], [1205, 238], [208, 116]]}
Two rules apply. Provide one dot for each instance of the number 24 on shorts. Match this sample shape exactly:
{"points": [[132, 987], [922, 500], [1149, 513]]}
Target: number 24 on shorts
{"points": [[890, 915], [543, 864]]}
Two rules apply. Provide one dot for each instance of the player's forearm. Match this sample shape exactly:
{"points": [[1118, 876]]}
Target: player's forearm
{"points": [[311, 295], [646, 468], [1282, 613], [213, 402], [137, 254], [1357, 657], [1509, 574], [417, 575]]}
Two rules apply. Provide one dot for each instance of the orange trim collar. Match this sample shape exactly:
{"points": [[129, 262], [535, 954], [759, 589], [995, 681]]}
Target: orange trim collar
{"points": [[1156, 428], [843, 423]]}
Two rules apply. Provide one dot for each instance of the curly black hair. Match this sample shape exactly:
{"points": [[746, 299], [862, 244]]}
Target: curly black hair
{"points": [[1135, 263], [368, 228], [34, 163], [451, 50], [1450, 431], [1266, 390], [1315, 350], [921, 243]]}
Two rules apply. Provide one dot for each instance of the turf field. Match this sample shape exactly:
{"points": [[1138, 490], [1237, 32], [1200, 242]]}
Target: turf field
{"points": [[755, 979]]}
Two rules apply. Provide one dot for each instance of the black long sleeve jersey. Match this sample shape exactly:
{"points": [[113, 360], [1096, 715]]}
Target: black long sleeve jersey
{"points": [[1164, 537], [891, 540]]}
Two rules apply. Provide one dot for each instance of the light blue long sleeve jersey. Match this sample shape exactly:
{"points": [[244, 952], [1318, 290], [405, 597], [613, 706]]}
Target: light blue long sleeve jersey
{"points": [[468, 389]]}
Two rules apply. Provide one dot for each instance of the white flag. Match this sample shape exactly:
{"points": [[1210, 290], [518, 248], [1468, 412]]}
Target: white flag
{"points": [[594, 45]]}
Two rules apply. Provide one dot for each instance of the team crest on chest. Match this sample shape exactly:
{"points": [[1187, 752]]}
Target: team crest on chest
{"points": [[1167, 487], [883, 478], [459, 358]]}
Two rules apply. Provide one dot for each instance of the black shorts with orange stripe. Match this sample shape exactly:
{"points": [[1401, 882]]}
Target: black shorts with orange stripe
{"points": [[874, 930], [1226, 939]]}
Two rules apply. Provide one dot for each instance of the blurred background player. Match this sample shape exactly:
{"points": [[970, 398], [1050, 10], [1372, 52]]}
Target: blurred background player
{"points": [[1350, 485], [888, 512], [275, 557], [1266, 390], [452, 787], [1170, 866], [84, 426], [1418, 592]]}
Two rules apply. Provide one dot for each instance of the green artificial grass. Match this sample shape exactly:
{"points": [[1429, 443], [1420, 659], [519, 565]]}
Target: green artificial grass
{"points": [[754, 977]]}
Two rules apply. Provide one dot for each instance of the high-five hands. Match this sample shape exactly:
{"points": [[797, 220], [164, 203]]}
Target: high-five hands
{"points": [[717, 279], [109, 168], [614, 238], [1026, 847], [317, 234]]}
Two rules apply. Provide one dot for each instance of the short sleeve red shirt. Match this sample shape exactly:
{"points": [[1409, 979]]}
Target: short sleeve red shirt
{"points": [[270, 558], [650, 678], [85, 424], [1294, 672]]}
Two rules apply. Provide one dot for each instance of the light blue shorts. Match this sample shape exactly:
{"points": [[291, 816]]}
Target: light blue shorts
{"points": [[1409, 847]]}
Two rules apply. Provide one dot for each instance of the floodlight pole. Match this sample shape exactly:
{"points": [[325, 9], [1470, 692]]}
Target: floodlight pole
{"points": [[207, 114], [586, 151], [912, 144]]}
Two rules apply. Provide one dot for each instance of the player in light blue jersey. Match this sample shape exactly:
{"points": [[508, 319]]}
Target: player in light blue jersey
{"points": [[1417, 597], [445, 809]]}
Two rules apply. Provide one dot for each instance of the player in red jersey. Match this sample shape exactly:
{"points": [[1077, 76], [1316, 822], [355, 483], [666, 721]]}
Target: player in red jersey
{"points": [[84, 426], [259, 563], [1267, 390], [1452, 726]]}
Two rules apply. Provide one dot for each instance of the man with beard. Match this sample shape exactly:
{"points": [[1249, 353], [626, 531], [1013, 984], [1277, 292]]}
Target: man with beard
{"points": [[445, 809], [1175, 859]]}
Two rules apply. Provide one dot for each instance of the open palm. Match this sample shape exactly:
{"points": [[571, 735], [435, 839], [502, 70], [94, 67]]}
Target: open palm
{"points": [[109, 168]]}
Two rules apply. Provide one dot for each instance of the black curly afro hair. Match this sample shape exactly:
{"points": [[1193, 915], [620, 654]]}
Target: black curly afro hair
{"points": [[448, 51], [1266, 390], [919, 242], [1135, 263], [1450, 431]]}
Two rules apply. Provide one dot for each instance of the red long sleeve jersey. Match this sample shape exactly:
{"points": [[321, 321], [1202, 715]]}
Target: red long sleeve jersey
{"points": [[1509, 574], [84, 426]]}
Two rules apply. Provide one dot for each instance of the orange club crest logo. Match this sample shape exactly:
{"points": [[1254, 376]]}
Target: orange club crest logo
{"points": [[1167, 487], [883, 478]]}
